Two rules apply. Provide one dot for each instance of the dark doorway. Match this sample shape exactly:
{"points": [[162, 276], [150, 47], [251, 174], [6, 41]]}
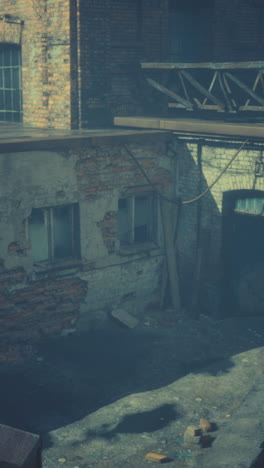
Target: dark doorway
{"points": [[243, 243]]}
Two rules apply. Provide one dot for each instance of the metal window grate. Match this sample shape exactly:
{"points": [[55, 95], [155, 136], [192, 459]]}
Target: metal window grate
{"points": [[10, 83]]}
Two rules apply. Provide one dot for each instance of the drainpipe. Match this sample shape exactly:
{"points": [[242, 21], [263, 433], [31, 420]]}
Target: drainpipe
{"points": [[79, 78]]}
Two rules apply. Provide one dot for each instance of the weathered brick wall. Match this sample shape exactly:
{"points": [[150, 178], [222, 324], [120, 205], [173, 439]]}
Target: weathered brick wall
{"points": [[31, 311], [238, 31], [37, 302], [45, 47], [115, 37], [201, 223], [81, 59]]}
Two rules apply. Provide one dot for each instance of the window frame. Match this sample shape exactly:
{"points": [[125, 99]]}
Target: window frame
{"points": [[14, 110], [49, 226], [152, 227]]}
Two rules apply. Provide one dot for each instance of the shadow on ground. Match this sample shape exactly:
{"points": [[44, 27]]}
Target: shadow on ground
{"points": [[147, 421], [77, 375]]}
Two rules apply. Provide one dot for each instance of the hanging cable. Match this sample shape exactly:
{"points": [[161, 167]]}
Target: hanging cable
{"points": [[217, 179], [178, 201]]}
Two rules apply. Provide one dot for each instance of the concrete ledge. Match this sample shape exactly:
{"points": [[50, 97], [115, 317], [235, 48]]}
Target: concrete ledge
{"points": [[192, 126]]}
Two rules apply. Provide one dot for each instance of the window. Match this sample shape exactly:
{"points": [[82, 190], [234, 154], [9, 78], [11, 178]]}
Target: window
{"points": [[54, 233], [10, 83], [137, 219], [253, 206]]}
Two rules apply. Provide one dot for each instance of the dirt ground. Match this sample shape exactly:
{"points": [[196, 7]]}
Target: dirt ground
{"points": [[108, 397]]}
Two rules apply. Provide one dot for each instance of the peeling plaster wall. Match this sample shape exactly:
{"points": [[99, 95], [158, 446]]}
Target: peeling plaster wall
{"points": [[36, 302]]}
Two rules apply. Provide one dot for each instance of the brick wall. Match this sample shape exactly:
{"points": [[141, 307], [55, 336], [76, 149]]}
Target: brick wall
{"points": [[115, 37], [45, 47], [29, 312], [81, 57], [238, 32], [201, 223]]}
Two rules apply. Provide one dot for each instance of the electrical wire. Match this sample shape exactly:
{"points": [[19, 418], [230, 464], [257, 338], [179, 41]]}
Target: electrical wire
{"points": [[178, 201], [217, 179]]}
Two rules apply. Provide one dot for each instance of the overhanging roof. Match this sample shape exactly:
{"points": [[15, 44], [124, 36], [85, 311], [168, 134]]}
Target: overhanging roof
{"points": [[17, 138], [195, 126]]}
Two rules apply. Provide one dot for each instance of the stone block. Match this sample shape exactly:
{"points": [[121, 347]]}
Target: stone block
{"points": [[205, 425]]}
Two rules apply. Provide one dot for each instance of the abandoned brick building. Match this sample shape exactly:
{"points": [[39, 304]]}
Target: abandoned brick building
{"points": [[105, 106]]}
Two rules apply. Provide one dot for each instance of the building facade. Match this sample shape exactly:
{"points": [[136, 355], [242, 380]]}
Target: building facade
{"points": [[81, 231], [81, 227], [76, 63]]}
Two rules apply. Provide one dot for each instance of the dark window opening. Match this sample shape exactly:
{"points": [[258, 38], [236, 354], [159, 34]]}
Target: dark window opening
{"points": [[54, 233], [10, 83], [137, 219]]}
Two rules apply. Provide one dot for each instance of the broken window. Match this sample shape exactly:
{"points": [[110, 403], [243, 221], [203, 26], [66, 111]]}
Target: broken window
{"points": [[54, 233], [10, 83], [137, 219]]}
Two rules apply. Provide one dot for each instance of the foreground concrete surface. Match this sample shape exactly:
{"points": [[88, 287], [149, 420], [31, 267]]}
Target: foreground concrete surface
{"points": [[107, 398], [240, 445]]}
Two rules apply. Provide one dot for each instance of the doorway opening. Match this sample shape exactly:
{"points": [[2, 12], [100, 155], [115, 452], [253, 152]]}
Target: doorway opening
{"points": [[243, 253]]}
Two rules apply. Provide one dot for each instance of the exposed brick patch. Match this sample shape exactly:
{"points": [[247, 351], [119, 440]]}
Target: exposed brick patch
{"points": [[17, 248], [42, 308], [11, 278], [113, 168], [108, 228]]}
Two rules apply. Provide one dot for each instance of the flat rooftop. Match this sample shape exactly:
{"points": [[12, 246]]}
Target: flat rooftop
{"points": [[18, 138]]}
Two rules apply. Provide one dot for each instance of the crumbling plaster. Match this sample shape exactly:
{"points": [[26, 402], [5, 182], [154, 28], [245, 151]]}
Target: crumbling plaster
{"points": [[95, 177], [31, 180]]}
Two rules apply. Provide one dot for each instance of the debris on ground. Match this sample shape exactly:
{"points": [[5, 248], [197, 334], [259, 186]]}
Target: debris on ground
{"points": [[194, 435], [106, 398], [156, 457], [125, 318], [205, 425]]}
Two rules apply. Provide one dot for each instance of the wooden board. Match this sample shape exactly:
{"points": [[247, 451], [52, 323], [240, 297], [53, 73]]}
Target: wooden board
{"points": [[195, 126], [125, 318], [168, 216], [211, 65]]}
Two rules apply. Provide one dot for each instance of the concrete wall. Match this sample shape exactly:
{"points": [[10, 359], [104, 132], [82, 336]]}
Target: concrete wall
{"points": [[45, 300]]}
